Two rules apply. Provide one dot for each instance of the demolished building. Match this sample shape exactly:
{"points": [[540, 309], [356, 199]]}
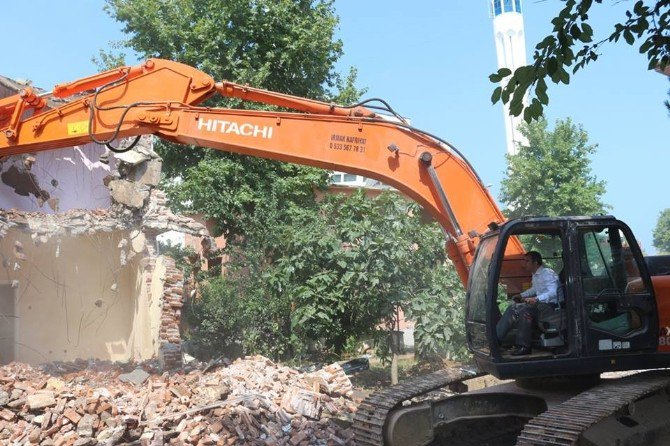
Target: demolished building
{"points": [[80, 274]]}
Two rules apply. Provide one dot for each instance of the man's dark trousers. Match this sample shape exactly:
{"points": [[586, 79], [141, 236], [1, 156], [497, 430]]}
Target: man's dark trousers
{"points": [[523, 316]]}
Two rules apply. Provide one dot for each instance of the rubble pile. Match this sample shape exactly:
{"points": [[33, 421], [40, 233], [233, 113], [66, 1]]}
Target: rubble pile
{"points": [[250, 401]]}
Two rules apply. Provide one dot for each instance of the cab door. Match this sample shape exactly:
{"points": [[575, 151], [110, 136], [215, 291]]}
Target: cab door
{"points": [[619, 309]]}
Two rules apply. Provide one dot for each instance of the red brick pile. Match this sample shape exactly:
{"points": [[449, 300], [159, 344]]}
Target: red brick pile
{"points": [[251, 401]]}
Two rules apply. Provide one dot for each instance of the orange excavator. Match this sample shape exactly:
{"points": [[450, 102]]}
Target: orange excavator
{"points": [[614, 304]]}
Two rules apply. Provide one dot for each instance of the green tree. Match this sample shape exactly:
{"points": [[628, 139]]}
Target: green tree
{"points": [[327, 277], [571, 46], [552, 174], [438, 312], [286, 46], [662, 232]]}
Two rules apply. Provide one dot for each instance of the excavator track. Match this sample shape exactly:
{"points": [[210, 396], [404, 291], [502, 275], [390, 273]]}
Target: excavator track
{"points": [[369, 421], [563, 424]]}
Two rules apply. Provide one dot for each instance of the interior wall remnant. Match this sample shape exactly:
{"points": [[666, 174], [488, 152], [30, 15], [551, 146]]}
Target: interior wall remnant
{"points": [[89, 285], [144, 341], [78, 228], [7, 322], [57, 180], [162, 297], [74, 300], [54, 180]]}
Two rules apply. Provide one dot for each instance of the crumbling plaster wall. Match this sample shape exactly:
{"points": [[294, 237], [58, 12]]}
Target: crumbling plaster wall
{"points": [[56, 181], [88, 284], [73, 300], [78, 229]]}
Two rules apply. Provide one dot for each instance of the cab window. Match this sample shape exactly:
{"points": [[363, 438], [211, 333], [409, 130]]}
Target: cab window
{"points": [[609, 272]]}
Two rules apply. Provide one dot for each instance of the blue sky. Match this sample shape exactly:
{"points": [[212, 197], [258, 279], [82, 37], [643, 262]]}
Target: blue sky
{"points": [[430, 59]]}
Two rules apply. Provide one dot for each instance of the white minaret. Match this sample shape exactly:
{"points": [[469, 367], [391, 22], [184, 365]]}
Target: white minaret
{"points": [[511, 50]]}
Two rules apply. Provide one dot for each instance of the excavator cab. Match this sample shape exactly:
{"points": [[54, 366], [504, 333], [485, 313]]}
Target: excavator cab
{"points": [[606, 317]]}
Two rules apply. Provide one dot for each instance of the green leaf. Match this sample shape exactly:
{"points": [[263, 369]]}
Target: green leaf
{"points": [[629, 37], [504, 72], [584, 6], [545, 43], [515, 107], [575, 32], [495, 97], [541, 91], [646, 46], [505, 96]]}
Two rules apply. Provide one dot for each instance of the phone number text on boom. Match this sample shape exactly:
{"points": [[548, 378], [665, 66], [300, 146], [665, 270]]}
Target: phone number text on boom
{"points": [[347, 143]]}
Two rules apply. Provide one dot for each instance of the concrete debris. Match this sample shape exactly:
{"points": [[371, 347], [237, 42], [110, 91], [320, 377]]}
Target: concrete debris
{"points": [[149, 173], [132, 157], [250, 401], [128, 193], [137, 377], [28, 161], [84, 222]]}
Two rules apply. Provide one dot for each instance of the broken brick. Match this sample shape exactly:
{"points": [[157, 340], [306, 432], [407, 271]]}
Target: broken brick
{"points": [[250, 400]]}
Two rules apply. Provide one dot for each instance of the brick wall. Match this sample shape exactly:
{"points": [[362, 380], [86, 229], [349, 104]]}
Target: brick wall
{"points": [[172, 303]]}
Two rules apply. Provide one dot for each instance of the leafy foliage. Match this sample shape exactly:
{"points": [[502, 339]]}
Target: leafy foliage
{"points": [[552, 175], [286, 46], [329, 276], [662, 232], [242, 194], [571, 46], [438, 312]]}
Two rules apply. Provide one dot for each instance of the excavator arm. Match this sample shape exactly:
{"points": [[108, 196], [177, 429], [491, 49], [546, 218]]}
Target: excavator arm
{"points": [[161, 98]]}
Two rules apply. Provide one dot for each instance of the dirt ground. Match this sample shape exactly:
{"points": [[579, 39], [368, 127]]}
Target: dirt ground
{"points": [[379, 375]]}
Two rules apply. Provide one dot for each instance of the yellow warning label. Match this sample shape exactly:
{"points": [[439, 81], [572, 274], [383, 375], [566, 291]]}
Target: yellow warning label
{"points": [[77, 128]]}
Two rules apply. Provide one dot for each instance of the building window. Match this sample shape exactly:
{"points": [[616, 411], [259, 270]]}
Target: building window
{"points": [[497, 7], [508, 6], [518, 6], [343, 178]]}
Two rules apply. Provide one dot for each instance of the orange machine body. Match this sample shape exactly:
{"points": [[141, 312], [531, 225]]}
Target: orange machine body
{"points": [[160, 97]]}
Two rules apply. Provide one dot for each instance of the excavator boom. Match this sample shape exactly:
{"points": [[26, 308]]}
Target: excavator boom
{"points": [[161, 97]]}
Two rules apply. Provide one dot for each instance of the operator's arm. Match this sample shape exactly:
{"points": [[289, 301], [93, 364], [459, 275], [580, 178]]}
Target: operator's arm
{"points": [[530, 292], [545, 287]]}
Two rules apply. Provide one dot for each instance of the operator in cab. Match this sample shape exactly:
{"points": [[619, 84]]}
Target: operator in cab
{"points": [[540, 300]]}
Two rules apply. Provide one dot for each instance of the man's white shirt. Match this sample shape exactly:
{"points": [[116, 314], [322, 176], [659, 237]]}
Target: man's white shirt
{"points": [[544, 286]]}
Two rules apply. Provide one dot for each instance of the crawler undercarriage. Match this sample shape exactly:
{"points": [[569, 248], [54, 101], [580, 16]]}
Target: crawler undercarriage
{"points": [[627, 411]]}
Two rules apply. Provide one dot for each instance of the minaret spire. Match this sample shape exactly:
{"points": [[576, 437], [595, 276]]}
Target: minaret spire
{"points": [[510, 39]]}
